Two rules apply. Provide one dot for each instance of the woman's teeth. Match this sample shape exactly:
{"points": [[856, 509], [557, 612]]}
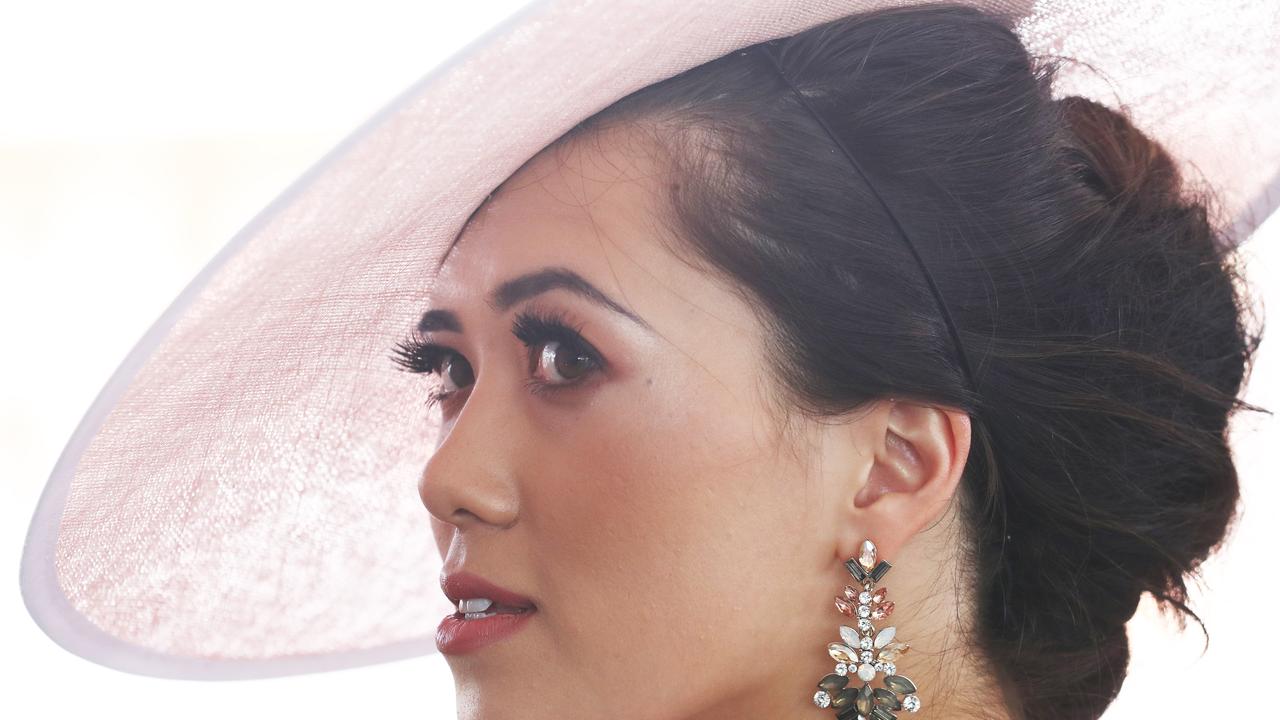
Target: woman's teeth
{"points": [[474, 605], [475, 608]]}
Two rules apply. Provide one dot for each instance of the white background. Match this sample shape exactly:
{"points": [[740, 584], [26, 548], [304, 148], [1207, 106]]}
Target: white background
{"points": [[137, 137]]}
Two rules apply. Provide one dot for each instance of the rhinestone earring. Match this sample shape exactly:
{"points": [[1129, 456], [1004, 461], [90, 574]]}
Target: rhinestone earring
{"points": [[865, 651]]}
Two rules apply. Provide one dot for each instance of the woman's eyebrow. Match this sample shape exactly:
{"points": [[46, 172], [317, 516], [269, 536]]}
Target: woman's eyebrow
{"points": [[522, 287]]}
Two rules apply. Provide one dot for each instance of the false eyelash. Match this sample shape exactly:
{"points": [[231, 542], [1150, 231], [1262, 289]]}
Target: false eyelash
{"points": [[415, 354], [532, 327]]}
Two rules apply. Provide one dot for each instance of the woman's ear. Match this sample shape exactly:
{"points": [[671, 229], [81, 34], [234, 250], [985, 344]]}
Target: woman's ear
{"points": [[918, 455]]}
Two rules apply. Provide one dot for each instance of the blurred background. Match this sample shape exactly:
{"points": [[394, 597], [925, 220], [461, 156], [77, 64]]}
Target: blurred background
{"points": [[136, 138]]}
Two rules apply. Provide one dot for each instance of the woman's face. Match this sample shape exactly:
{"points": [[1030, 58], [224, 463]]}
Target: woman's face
{"points": [[677, 550]]}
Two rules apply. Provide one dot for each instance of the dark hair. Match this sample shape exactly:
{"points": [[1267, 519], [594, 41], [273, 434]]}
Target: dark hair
{"points": [[1090, 285]]}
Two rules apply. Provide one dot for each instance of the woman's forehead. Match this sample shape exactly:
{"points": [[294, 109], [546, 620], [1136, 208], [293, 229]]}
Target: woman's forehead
{"points": [[592, 206]]}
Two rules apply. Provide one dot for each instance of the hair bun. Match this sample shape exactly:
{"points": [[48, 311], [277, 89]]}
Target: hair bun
{"points": [[1115, 158]]}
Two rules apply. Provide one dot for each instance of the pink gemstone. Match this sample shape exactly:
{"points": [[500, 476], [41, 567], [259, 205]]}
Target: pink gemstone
{"points": [[850, 593], [844, 607], [882, 611], [879, 595], [867, 556]]}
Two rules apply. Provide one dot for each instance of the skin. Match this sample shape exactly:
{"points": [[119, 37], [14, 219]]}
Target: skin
{"points": [[682, 549]]}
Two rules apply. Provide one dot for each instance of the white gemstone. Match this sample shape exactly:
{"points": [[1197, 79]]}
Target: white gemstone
{"points": [[865, 643], [821, 699], [842, 669], [885, 637], [890, 669], [864, 625], [866, 672], [864, 611], [911, 703], [850, 636], [864, 597], [868, 656], [879, 666]]}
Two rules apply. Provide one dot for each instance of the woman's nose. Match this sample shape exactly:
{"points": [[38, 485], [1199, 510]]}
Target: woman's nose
{"points": [[470, 478]]}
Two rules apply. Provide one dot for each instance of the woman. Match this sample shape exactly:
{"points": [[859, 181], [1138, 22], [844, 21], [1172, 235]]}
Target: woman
{"points": [[850, 373], [715, 368]]}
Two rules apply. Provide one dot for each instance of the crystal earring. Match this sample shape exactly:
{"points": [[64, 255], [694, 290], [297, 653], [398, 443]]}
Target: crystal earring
{"points": [[865, 651]]}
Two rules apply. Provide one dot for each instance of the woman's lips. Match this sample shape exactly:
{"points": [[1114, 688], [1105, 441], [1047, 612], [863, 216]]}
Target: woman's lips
{"points": [[457, 635]]}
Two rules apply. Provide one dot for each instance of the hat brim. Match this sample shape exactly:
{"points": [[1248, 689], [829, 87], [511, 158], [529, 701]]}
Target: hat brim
{"points": [[240, 500]]}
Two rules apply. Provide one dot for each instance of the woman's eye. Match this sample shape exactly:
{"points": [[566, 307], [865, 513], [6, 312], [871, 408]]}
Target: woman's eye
{"points": [[562, 362], [448, 382], [557, 351]]}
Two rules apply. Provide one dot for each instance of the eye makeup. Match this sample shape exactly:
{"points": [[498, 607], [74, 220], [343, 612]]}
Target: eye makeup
{"points": [[533, 327]]}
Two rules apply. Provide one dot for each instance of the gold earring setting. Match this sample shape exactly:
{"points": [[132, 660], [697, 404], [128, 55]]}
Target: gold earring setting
{"points": [[866, 651]]}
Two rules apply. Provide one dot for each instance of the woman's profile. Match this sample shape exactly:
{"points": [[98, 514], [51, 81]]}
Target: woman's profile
{"points": [[716, 368], [853, 372]]}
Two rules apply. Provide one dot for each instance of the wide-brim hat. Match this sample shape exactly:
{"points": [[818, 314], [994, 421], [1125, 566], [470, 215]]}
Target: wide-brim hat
{"points": [[241, 498]]}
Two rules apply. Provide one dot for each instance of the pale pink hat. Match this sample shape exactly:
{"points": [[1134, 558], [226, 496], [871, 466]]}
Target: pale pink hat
{"points": [[241, 499]]}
